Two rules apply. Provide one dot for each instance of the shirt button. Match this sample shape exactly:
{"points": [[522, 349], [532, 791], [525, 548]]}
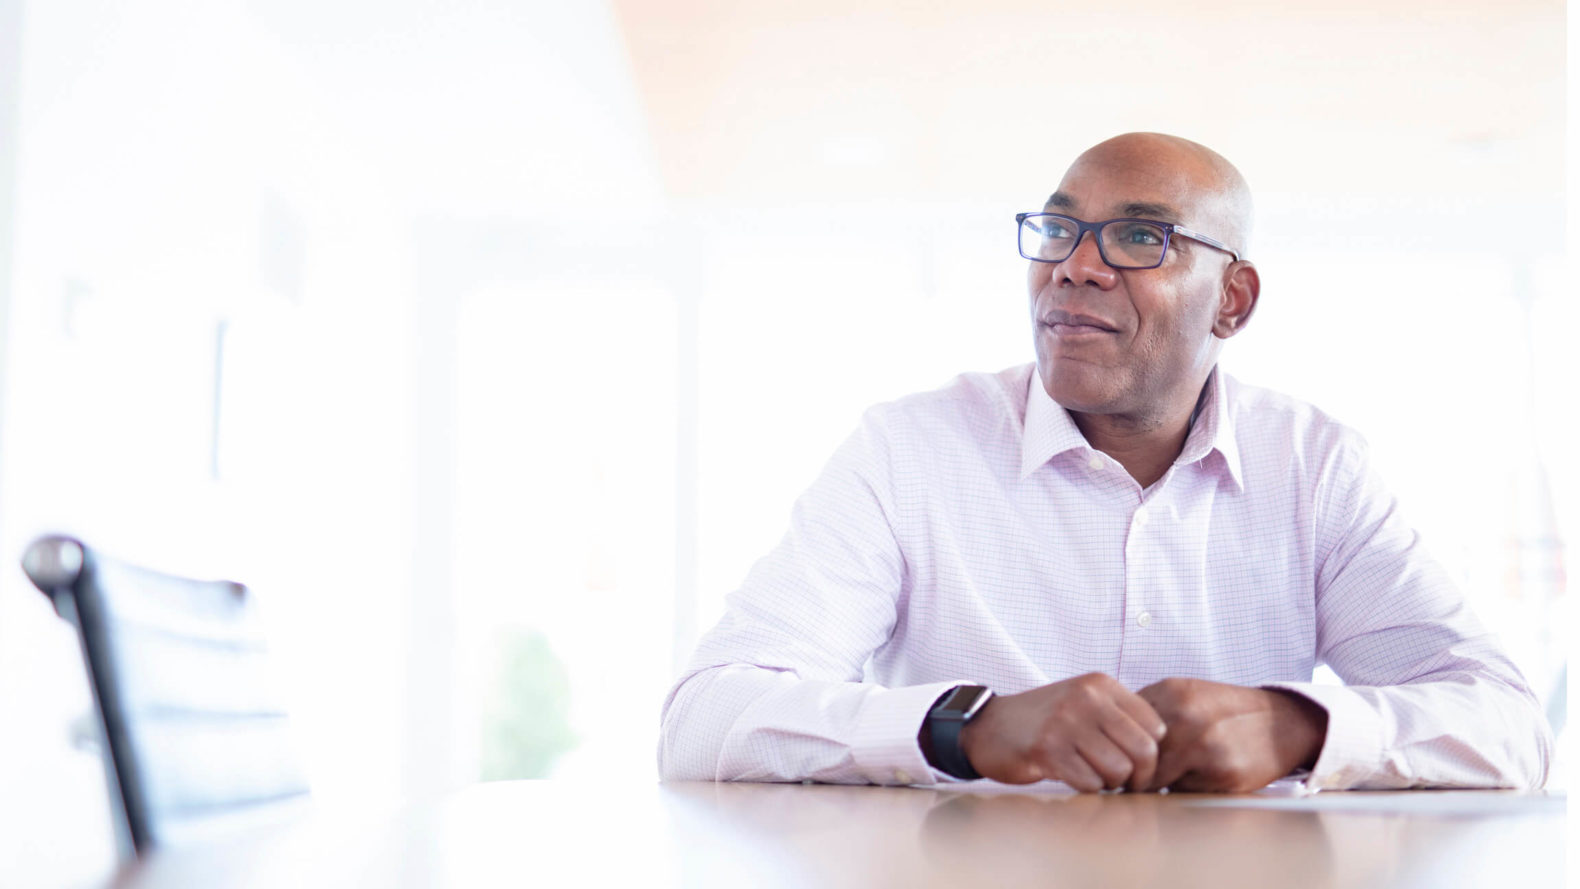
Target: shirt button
{"points": [[1141, 515], [902, 776], [1144, 619], [1095, 463]]}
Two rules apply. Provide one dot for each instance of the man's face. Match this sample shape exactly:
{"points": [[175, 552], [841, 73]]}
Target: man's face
{"points": [[1123, 341]]}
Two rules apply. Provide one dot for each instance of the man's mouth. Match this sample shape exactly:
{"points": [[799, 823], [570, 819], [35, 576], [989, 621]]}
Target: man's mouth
{"points": [[1072, 324]]}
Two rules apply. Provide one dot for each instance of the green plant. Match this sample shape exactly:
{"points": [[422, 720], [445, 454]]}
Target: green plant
{"points": [[526, 724]]}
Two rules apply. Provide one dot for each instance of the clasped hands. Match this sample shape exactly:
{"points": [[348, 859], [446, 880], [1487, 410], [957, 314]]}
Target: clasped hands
{"points": [[1182, 734]]}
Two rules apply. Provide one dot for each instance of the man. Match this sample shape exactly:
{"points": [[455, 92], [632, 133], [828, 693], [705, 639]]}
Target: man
{"points": [[1117, 568]]}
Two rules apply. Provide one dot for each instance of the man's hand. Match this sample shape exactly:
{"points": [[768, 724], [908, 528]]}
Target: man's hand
{"points": [[1089, 732], [1231, 738]]}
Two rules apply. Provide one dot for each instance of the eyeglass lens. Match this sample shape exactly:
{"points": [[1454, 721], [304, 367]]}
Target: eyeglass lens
{"points": [[1123, 243]]}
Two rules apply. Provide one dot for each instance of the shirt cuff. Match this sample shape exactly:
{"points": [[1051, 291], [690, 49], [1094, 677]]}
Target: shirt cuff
{"points": [[885, 748], [1353, 748]]}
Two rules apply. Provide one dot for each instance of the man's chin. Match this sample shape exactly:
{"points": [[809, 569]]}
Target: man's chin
{"points": [[1084, 389]]}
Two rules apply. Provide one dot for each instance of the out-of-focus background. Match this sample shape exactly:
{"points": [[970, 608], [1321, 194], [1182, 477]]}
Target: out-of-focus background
{"points": [[491, 341]]}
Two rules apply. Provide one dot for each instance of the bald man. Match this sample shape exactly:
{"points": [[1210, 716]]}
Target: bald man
{"points": [[1116, 568]]}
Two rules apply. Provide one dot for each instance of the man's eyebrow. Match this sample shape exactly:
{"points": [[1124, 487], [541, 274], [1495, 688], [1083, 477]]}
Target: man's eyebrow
{"points": [[1138, 209], [1145, 210], [1059, 200]]}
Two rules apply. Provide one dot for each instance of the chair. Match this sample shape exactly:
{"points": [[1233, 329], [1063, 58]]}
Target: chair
{"points": [[196, 740]]}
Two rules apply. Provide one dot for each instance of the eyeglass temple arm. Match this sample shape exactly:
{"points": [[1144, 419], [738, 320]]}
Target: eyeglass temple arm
{"points": [[1211, 242]]}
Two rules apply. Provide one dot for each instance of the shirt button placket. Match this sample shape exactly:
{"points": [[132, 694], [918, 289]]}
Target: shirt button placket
{"points": [[1138, 521], [1138, 554]]}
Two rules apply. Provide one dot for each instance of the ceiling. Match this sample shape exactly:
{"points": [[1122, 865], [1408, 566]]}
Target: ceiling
{"points": [[754, 101]]}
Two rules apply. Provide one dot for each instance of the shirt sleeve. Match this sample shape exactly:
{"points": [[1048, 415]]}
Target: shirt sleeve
{"points": [[775, 691], [1430, 699]]}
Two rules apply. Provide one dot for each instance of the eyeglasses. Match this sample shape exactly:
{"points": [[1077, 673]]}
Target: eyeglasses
{"points": [[1123, 243]]}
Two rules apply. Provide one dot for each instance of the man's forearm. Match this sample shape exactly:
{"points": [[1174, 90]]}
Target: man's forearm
{"points": [[745, 723], [1458, 730]]}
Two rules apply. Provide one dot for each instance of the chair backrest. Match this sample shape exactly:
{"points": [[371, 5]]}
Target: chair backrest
{"points": [[197, 740]]}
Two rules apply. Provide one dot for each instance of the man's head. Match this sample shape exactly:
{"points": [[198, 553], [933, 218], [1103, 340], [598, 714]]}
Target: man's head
{"points": [[1140, 342]]}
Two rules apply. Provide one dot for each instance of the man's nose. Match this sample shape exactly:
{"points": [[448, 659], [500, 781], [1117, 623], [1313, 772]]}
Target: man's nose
{"points": [[1086, 266]]}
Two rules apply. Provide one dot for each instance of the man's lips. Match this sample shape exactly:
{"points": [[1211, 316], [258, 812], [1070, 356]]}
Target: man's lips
{"points": [[1071, 323]]}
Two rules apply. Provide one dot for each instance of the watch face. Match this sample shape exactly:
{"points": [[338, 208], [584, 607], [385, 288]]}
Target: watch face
{"points": [[961, 702]]}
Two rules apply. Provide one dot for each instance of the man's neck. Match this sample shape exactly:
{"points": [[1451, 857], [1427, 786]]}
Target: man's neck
{"points": [[1145, 446]]}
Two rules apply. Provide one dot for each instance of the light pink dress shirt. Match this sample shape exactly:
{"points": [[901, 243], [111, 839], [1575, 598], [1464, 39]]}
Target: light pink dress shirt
{"points": [[971, 535]]}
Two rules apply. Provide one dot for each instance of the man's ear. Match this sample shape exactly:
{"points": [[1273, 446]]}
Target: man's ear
{"points": [[1241, 287]]}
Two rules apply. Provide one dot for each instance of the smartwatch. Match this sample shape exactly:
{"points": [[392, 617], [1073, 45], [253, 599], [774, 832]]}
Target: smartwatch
{"points": [[943, 726]]}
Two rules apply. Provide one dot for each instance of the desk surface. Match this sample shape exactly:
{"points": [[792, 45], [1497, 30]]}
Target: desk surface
{"points": [[552, 833]]}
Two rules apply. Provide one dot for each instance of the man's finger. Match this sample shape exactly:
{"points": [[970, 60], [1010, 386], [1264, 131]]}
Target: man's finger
{"points": [[1191, 782], [1173, 764], [1021, 773], [1070, 768], [1106, 758], [1143, 711], [1138, 745]]}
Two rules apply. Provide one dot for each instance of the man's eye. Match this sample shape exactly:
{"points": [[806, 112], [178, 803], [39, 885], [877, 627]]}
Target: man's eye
{"points": [[1141, 235], [1055, 230]]}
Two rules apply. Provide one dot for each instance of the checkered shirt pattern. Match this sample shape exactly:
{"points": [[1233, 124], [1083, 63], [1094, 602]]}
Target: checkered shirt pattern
{"points": [[971, 535]]}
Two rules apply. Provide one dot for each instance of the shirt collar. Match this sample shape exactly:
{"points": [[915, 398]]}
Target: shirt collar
{"points": [[1051, 431], [1214, 429]]}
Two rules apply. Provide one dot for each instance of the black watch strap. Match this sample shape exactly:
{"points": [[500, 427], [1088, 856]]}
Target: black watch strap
{"points": [[944, 724]]}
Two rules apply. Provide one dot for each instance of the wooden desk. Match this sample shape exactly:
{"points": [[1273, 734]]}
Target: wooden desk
{"points": [[754, 835]]}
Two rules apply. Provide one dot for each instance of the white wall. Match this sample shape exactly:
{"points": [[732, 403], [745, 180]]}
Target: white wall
{"points": [[176, 172], [326, 184]]}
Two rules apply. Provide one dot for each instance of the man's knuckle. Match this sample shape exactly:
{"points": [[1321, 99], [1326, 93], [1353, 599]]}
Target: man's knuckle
{"points": [[1237, 762], [1119, 772], [1093, 682], [1047, 746], [1218, 746]]}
